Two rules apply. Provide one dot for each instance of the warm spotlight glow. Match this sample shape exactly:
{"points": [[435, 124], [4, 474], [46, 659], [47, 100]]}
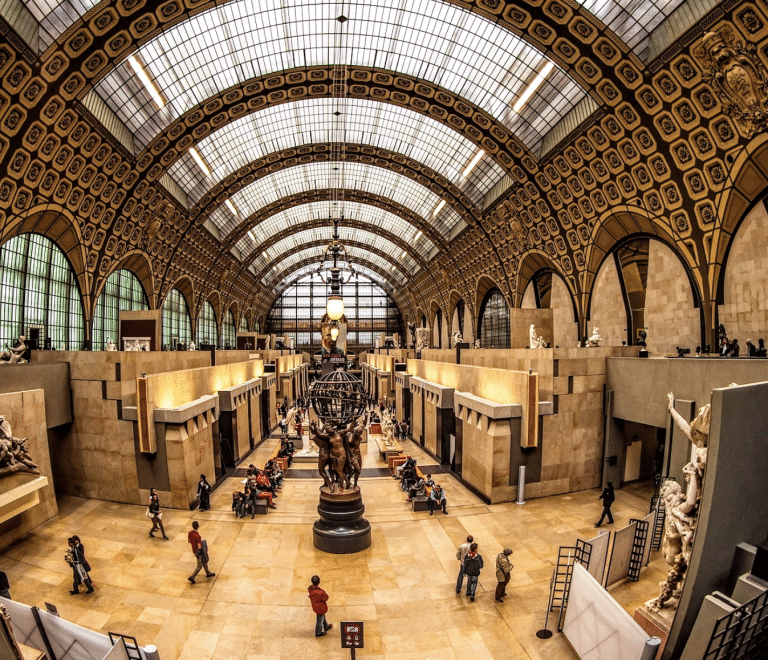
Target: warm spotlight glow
{"points": [[199, 161], [334, 333], [148, 84], [473, 162], [334, 307], [533, 86], [230, 206], [438, 208]]}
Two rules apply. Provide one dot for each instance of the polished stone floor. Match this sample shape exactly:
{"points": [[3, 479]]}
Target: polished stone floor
{"points": [[402, 587]]}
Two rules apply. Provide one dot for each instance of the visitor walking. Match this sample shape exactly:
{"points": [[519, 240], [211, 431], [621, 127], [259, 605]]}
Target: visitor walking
{"points": [[204, 493], [503, 574], [319, 600], [608, 497], [473, 564], [154, 514], [200, 550], [80, 566], [461, 552]]}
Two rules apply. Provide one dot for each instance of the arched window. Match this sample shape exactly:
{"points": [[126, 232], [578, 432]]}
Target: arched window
{"points": [[437, 329], [39, 289], [458, 318], [243, 324], [494, 321], [207, 331], [177, 325], [122, 291], [228, 330]]}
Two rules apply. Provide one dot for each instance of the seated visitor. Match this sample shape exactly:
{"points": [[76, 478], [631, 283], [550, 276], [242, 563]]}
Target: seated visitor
{"points": [[750, 349], [409, 462], [437, 497], [263, 483], [274, 473], [430, 481], [410, 477], [733, 348], [291, 447], [419, 490], [760, 352], [238, 504], [284, 453], [251, 471]]}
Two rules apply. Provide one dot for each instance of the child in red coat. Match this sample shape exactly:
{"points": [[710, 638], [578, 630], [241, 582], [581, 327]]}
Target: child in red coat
{"points": [[319, 600]]}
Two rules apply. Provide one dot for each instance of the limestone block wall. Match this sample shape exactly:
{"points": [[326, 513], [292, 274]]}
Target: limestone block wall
{"points": [[670, 316], [430, 425], [745, 293], [254, 408], [189, 452], [25, 412], [417, 394], [607, 310], [529, 298]]}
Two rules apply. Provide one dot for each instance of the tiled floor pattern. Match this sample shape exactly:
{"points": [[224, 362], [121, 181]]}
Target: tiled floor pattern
{"points": [[256, 607]]}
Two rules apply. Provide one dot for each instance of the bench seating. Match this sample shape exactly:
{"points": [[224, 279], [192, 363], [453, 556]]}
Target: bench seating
{"points": [[421, 502]]}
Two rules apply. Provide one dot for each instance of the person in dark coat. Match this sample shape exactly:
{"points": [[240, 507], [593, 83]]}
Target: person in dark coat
{"points": [[473, 563], [319, 600], [80, 566], [155, 514], [204, 493], [608, 498]]}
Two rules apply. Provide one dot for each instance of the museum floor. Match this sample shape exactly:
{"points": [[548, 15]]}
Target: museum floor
{"points": [[402, 587]]}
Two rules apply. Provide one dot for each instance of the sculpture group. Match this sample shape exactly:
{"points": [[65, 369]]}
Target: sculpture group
{"points": [[339, 459], [15, 354], [14, 456], [681, 506]]}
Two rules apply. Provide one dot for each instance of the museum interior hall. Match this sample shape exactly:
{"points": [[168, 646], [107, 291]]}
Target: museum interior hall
{"points": [[401, 329]]}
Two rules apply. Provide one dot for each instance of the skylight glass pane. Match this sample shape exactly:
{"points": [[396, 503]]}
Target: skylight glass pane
{"points": [[381, 125], [433, 40], [254, 240], [350, 176]]}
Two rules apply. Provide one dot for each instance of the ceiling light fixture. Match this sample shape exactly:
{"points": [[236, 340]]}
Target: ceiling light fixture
{"points": [[198, 159], [148, 84], [418, 236], [402, 256], [472, 163], [533, 86], [230, 206], [438, 208]]}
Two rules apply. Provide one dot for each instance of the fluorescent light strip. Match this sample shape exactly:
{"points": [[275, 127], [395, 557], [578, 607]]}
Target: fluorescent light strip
{"points": [[199, 161], [148, 84], [533, 86], [438, 208], [230, 206], [473, 162]]}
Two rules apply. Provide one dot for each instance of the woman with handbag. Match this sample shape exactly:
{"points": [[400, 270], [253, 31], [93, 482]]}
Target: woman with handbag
{"points": [[154, 514], [80, 566]]}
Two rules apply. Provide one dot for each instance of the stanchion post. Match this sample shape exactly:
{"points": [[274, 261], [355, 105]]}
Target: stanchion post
{"points": [[521, 485]]}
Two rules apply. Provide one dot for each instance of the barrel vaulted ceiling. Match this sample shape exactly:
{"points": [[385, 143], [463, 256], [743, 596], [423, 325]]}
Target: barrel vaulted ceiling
{"points": [[214, 141]]}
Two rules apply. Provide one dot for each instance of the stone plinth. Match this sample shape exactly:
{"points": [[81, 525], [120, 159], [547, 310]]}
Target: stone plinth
{"points": [[341, 528]]}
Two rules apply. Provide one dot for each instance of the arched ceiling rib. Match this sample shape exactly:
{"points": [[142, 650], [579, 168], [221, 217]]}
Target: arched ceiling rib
{"points": [[363, 122], [399, 266], [329, 175], [298, 233], [441, 43], [376, 210]]}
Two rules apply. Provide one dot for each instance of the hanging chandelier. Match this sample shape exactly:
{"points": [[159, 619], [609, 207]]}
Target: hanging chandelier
{"points": [[335, 251]]}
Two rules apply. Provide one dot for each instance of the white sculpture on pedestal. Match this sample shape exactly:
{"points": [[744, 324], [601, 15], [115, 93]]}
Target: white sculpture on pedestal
{"points": [[682, 509], [534, 340], [111, 345], [422, 338], [595, 339], [477, 343], [458, 338], [192, 346]]}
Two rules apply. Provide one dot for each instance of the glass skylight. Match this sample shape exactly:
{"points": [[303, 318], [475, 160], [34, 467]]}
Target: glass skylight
{"points": [[432, 40], [291, 264], [381, 125], [321, 176], [346, 234], [377, 218], [307, 273]]}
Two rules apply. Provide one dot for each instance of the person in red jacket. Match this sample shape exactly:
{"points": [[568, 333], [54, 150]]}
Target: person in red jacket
{"points": [[319, 600], [200, 550]]}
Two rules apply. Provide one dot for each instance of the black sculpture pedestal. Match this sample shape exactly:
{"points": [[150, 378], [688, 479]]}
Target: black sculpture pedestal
{"points": [[341, 529]]}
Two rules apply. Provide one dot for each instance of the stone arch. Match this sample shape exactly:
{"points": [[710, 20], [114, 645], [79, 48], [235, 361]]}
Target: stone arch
{"points": [[57, 224], [137, 262], [531, 264]]}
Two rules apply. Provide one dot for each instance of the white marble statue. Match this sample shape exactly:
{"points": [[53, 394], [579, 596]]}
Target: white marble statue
{"points": [[111, 345], [15, 355], [458, 338], [681, 506], [422, 338], [595, 339], [396, 340], [388, 430], [534, 340], [477, 343], [192, 346]]}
